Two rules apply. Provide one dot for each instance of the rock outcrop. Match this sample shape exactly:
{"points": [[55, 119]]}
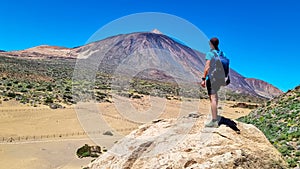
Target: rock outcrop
{"points": [[185, 143]]}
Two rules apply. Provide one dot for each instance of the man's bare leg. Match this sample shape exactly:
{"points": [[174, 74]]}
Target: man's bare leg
{"points": [[214, 106]]}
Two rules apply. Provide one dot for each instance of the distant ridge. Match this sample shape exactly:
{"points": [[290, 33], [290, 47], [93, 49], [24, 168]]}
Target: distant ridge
{"points": [[263, 88], [44, 51]]}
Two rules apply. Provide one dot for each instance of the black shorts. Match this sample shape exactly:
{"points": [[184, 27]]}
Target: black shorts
{"points": [[211, 89]]}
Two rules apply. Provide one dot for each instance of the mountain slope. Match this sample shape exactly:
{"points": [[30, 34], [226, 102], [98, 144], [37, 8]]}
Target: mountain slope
{"points": [[263, 88], [122, 48], [136, 51], [279, 120]]}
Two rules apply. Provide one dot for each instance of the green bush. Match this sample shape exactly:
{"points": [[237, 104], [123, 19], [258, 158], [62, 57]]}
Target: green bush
{"points": [[85, 154], [292, 162], [11, 95], [49, 100], [84, 151]]}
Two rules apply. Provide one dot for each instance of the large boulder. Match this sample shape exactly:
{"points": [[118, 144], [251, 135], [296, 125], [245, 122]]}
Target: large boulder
{"points": [[185, 143]]}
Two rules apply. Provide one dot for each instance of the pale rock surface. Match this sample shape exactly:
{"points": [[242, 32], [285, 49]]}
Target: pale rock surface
{"points": [[185, 143]]}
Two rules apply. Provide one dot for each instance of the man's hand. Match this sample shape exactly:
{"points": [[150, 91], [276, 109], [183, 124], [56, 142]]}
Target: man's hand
{"points": [[203, 83]]}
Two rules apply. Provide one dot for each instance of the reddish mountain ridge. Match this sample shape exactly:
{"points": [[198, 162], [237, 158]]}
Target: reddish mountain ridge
{"points": [[43, 51], [263, 88], [119, 49]]}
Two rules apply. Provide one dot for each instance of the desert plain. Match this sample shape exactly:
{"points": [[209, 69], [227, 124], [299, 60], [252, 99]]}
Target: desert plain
{"points": [[44, 138]]}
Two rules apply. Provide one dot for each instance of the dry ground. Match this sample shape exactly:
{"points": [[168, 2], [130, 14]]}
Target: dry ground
{"points": [[41, 138]]}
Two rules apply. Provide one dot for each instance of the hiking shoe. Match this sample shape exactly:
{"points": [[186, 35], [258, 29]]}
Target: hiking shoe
{"points": [[213, 124]]}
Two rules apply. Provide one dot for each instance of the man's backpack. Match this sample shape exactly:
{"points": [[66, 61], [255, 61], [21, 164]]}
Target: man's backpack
{"points": [[219, 70]]}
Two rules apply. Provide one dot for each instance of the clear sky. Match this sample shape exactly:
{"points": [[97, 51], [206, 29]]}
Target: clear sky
{"points": [[260, 37]]}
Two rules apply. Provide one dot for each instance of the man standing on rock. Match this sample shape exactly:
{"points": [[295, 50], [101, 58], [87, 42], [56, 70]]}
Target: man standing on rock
{"points": [[212, 89]]}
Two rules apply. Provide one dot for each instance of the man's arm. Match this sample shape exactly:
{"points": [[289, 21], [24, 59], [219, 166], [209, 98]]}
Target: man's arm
{"points": [[206, 68]]}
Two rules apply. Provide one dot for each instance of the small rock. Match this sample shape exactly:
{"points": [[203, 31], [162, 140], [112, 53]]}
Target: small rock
{"points": [[136, 96], [11, 139], [108, 133], [95, 149], [194, 115], [156, 121], [55, 106], [189, 163]]}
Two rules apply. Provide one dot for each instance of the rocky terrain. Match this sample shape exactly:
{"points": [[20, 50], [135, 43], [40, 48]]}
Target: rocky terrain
{"points": [[279, 120], [185, 143]]}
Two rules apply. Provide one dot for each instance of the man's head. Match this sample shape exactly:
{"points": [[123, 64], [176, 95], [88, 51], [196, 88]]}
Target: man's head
{"points": [[214, 42]]}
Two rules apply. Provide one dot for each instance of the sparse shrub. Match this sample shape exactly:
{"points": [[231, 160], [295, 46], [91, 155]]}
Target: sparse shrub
{"points": [[41, 88], [83, 151], [279, 121], [24, 90], [11, 95], [24, 100], [29, 86], [88, 151], [49, 88], [292, 162], [48, 100]]}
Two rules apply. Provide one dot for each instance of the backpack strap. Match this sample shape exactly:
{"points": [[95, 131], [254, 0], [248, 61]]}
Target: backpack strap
{"points": [[217, 53], [221, 53]]}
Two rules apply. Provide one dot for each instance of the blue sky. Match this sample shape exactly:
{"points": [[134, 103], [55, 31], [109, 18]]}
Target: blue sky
{"points": [[261, 38]]}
